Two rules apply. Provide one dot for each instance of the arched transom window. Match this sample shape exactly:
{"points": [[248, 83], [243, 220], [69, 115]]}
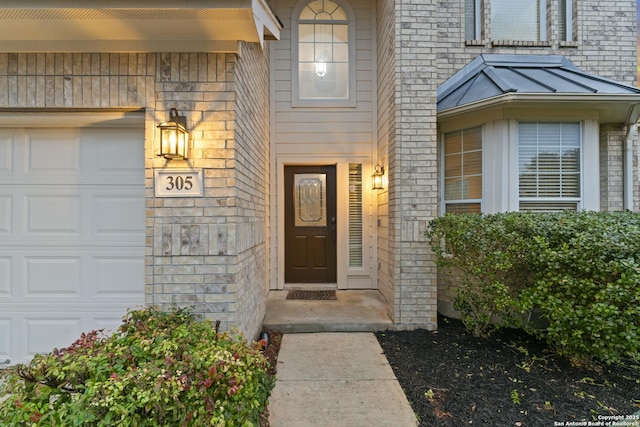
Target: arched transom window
{"points": [[323, 52]]}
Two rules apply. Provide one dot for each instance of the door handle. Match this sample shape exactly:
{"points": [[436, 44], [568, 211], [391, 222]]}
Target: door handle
{"points": [[333, 224]]}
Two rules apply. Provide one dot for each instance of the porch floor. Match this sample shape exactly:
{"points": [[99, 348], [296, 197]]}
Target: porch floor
{"points": [[352, 311]]}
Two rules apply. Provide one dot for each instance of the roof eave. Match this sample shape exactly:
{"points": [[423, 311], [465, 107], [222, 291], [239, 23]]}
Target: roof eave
{"points": [[134, 26], [595, 101]]}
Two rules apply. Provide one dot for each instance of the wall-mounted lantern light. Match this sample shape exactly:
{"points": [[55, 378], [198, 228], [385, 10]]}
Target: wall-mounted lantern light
{"points": [[378, 173], [174, 137]]}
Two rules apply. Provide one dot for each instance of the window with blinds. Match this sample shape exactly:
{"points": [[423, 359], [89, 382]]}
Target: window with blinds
{"points": [[463, 171], [355, 215], [549, 166]]}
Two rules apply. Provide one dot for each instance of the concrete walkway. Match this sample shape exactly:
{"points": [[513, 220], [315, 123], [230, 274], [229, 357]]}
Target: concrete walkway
{"points": [[336, 379]]}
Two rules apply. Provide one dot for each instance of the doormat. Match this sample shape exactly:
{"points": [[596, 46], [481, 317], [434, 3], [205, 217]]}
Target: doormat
{"points": [[301, 294]]}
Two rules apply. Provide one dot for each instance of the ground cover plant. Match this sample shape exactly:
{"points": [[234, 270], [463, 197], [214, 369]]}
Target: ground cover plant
{"points": [[452, 378], [157, 369]]}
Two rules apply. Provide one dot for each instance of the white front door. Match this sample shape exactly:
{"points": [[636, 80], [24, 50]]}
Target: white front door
{"points": [[71, 234]]}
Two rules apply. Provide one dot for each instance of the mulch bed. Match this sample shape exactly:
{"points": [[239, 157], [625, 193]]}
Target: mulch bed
{"points": [[511, 379], [271, 353]]}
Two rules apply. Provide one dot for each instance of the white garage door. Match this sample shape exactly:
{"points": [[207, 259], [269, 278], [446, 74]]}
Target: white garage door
{"points": [[71, 234]]}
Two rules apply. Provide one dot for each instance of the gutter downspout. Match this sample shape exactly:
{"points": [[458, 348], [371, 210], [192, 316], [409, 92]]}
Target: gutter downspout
{"points": [[632, 133]]}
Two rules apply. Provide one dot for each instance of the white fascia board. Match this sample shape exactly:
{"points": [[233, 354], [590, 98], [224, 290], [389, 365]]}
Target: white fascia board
{"points": [[630, 102]]}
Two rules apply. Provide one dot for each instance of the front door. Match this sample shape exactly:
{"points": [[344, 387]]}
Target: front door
{"points": [[310, 224]]}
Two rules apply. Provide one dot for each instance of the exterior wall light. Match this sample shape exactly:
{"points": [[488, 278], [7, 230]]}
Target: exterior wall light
{"points": [[378, 173], [174, 137]]}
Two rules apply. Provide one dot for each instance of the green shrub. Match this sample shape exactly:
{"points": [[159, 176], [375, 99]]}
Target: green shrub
{"points": [[157, 369], [491, 255], [588, 288], [581, 270]]}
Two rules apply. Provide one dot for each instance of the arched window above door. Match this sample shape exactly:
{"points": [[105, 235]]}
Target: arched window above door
{"points": [[323, 54]]}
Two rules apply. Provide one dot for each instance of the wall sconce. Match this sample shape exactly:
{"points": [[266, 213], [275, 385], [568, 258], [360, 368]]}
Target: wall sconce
{"points": [[378, 173], [174, 137]]}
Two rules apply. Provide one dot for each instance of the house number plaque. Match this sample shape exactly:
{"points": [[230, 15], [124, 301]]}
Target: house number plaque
{"points": [[178, 183]]}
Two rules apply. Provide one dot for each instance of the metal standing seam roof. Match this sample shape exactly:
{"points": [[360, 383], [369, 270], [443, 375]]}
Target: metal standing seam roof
{"points": [[491, 75]]}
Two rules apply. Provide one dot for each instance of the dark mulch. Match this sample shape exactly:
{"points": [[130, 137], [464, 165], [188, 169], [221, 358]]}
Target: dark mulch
{"points": [[511, 379], [271, 353]]}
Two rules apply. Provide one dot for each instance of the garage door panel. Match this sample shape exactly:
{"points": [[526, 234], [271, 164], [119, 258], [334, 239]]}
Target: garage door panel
{"points": [[50, 276], [53, 152], [28, 329], [53, 214], [119, 275], [6, 214], [5, 338], [110, 145], [5, 276], [46, 333], [117, 214], [6, 152], [72, 236]]}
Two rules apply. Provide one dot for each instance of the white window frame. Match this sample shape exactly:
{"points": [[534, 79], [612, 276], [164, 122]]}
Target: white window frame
{"points": [[350, 101], [555, 200], [500, 170], [443, 201], [568, 21], [477, 21]]}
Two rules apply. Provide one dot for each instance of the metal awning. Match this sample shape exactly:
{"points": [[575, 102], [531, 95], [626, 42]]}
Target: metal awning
{"points": [[134, 25], [494, 79]]}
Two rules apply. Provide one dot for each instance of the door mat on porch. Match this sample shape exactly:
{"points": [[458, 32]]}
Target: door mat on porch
{"points": [[303, 294]]}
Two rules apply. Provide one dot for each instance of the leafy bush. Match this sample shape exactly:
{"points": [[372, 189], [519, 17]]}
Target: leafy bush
{"points": [[589, 284], [157, 369], [580, 269], [491, 254]]}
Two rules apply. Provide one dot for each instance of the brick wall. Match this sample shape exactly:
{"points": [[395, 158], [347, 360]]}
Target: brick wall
{"points": [[611, 167], [604, 44], [413, 172], [252, 184], [386, 140], [206, 252]]}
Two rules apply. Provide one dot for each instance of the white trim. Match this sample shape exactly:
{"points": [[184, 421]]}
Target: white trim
{"points": [[590, 166], [72, 118], [595, 102], [343, 272], [632, 134], [568, 36]]}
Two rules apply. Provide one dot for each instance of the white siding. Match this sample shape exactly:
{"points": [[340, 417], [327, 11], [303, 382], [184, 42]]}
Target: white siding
{"points": [[328, 135]]}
